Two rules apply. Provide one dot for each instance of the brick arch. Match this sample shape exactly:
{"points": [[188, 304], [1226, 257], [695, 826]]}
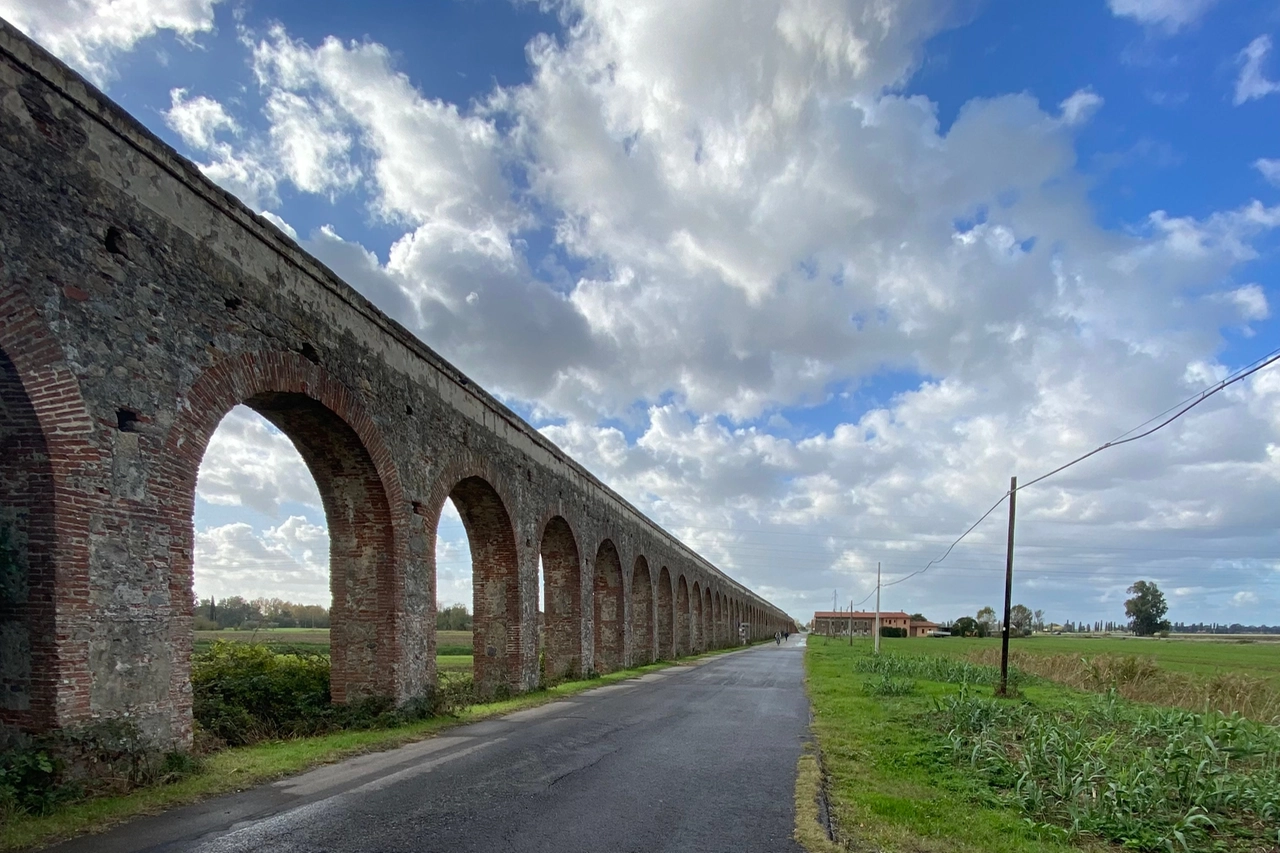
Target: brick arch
{"points": [[562, 586], [360, 489], [697, 621], [642, 635], [684, 636], [666, 615], [609, 607], [708, 622], [46, 443], [717, 620]]}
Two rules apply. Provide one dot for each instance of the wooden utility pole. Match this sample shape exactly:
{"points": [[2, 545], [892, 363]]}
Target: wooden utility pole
{"points": [[877, 608], [851, 621], [1008, 589]]}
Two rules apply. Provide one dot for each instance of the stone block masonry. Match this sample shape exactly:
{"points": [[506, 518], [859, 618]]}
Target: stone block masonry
{"points": [[138, 304]]}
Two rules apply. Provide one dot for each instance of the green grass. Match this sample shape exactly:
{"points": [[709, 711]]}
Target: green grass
{"points": [[1259, 659], [316, 640], [245, 767], [453, 663], [891, 783], [947, 766]]}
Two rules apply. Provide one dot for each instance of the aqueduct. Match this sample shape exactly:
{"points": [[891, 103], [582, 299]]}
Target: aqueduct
{"points": [[139, 303]]}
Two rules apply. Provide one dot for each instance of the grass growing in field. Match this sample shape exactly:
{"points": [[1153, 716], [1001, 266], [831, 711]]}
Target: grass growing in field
{"points": [[1147, 778], [1142, 679], [949, 767]]}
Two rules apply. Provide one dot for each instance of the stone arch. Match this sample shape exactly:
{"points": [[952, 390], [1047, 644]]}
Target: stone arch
{"points": [[642, 636], [27, 542], [684, 637], [46, 441], [363, 502], [708, 622], [562, 595], [697, 625], [609, 601], [495, 585], [666, 616], [717, 621]]}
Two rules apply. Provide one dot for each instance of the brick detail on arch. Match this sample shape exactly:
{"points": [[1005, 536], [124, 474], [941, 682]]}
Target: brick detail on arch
{"points": [[48, 447], [487, 506], [642, 615], [609, 608], [666, 616], [697, 627], [684, 631], [562, 594], [363, 500]]}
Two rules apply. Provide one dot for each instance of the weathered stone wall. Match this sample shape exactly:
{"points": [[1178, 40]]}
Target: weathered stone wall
{"points": [[139, 303]]}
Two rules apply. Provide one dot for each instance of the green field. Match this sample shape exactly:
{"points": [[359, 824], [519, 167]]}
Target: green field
{"points": [[919, 756], [1258, 658], [316, 640]]}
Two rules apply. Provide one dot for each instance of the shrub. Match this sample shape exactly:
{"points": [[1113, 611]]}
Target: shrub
{"points": [[30, 780], [244, 692], [886, 631]]}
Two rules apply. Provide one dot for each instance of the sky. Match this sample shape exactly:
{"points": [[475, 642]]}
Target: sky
{"points": [[805, 280]]}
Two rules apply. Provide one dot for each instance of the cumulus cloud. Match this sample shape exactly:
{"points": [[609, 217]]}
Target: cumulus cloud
{"points": [[749, 239], [250, 463], [1080, 106], [289, 561], [89, 34], [1168, 14], [1253, 81], [1269, 169]]}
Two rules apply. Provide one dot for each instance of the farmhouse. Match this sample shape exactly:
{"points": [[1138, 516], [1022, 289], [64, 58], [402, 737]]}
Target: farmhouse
{"points": [[838, 623]]}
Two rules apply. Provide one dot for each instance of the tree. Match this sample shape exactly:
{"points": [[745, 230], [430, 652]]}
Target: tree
{"points": [[1146, 609], [987, 620], [918, 617], [1039, 624], [455, 617], [1020, 618], [966, 626]]}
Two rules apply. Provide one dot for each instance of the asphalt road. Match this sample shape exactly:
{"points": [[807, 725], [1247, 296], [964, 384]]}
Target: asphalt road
{"points": [[696, 758]]}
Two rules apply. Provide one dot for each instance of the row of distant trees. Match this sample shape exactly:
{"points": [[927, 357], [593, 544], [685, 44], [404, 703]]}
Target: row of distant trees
{"points": [[239, 613], [1145, 608]]}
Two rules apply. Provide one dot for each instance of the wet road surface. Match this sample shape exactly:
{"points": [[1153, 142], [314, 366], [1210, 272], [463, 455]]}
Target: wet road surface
{"points": [[696, 758]]}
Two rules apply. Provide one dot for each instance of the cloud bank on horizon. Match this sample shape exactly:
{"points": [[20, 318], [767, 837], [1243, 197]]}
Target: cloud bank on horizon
{"points": [[806, 280]]}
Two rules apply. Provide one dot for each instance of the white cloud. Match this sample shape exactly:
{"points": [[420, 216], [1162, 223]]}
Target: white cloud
{"points": [[1169, 14], [1244, 597], [1080, 106], [197, 120], [1269, 169], [1253, 82], [288, 561], [759, 236], [89, 34], [250, 463]]}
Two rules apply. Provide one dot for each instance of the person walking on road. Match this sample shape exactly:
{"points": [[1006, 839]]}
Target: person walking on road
{"points": [[777, 638]]}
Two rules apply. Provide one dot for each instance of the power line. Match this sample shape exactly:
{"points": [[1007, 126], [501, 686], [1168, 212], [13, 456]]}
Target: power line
{"points": [[1182, 409], [1273, 357]]}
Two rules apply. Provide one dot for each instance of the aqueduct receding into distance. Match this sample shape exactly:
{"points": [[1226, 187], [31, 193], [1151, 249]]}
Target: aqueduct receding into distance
{"points": [[139, 303]]}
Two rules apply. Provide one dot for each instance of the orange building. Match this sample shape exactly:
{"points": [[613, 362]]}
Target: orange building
{"points": [[838, 623]]}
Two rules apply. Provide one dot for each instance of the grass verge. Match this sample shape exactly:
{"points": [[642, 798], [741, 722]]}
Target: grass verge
{"points": [[892, 784], [235, 770], [938, 763], [810, 830]]}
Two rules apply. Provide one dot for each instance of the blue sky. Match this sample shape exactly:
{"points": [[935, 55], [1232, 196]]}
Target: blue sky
{"points": [[805, 283]]}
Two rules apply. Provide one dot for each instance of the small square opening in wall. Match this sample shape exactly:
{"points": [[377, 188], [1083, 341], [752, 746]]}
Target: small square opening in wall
{"points": [[127, 420]]}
